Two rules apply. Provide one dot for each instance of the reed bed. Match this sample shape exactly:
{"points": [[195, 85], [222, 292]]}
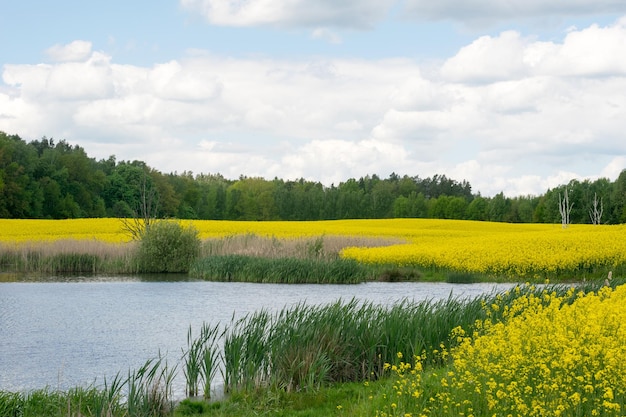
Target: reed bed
{"points": [[305, 347], [326, 247], [242, 268], [69, 256], [146, 392], [254, 258]]}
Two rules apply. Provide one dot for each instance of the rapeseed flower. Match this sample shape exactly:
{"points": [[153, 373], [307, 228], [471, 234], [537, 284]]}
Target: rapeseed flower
{"points": [[548, 355]]}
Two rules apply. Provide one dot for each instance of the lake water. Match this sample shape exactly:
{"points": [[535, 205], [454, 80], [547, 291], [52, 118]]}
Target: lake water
{"points": [[73, 333]]}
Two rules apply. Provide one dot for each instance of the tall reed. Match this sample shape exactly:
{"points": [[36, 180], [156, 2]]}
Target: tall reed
{"points": [[246, 364], [211, 357], [145, 392], [201, 360], [149, 389], [304, 346], [68, 256], [279, 270]]}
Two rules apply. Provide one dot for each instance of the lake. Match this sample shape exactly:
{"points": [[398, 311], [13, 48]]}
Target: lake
{"points": [[75, 332]]}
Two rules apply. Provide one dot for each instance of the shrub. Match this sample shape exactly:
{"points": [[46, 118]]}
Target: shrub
{"points": [[167, 246]]}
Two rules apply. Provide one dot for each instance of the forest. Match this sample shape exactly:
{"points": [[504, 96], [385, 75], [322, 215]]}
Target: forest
{"points": [[51, 179]]}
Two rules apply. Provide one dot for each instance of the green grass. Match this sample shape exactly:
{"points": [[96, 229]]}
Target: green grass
{"points": [[348, 399], [243, 268], [146, 392]]}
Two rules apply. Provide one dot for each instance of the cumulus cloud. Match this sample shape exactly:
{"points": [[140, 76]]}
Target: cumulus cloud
{"points": [[522, 126], [291, 13], [593, 51], [614, 167], [74, 51], [488, 59], [85, 80], [326, 35], [334, 161]]}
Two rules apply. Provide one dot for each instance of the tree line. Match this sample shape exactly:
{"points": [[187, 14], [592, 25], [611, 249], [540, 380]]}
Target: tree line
{"points": [[56, 180]]}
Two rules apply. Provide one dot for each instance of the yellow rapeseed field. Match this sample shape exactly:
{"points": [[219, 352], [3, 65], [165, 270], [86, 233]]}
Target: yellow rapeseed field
{"points": [[502, 248], [546, 357], [19, 230], [469, 246]]}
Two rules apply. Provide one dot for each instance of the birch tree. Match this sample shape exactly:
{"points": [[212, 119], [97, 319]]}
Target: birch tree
{"points": [[565, 208], [595, 212]]}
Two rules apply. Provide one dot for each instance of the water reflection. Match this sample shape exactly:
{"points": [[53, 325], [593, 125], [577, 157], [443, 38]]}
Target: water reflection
{"points": [[25, 277]]}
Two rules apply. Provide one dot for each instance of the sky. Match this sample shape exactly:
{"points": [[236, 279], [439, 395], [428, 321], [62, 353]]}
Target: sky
{"points": [[514, 97]]}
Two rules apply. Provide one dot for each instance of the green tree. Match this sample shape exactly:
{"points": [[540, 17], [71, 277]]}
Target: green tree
{"points": [[20, 194], [350, 200], [499, 207], [251, 199], [618, 200], [478, 209], [382, 198]]}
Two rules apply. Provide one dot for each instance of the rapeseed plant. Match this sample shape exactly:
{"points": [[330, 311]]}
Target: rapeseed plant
{"points": [[546, 355]]}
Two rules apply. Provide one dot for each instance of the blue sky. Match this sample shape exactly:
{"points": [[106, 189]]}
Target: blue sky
{"points": [[516, 97]]}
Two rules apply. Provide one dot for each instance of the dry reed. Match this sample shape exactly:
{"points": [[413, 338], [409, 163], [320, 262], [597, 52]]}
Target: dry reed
{"points": [[57, 256], [323, 247]]}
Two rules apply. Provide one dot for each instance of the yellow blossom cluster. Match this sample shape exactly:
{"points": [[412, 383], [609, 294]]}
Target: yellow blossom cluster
{"points": [[406, 389], [548, 356]]}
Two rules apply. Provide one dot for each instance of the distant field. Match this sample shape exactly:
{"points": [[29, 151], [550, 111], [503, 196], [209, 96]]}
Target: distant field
{"points": [[477, 247]]}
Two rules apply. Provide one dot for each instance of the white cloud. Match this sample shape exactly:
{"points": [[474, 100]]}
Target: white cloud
{"points": [[488, 59], [326, 35], [85, 80], [175, 82], [614, 168], [593, 51], [291, 13], [334, 161], [72, 52]]}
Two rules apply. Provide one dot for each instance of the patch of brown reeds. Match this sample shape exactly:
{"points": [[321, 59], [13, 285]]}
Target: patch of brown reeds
{"points": [[68, 255], [322, 247]]}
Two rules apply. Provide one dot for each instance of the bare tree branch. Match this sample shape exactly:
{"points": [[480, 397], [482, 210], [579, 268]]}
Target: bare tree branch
{"points": [[146, 214]]}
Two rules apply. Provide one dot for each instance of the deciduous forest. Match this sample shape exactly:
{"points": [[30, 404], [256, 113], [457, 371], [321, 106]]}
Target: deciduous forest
{"points": [[56, 180]]}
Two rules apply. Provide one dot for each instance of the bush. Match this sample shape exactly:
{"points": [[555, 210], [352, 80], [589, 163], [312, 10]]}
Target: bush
{"points": [[167, 246]]}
